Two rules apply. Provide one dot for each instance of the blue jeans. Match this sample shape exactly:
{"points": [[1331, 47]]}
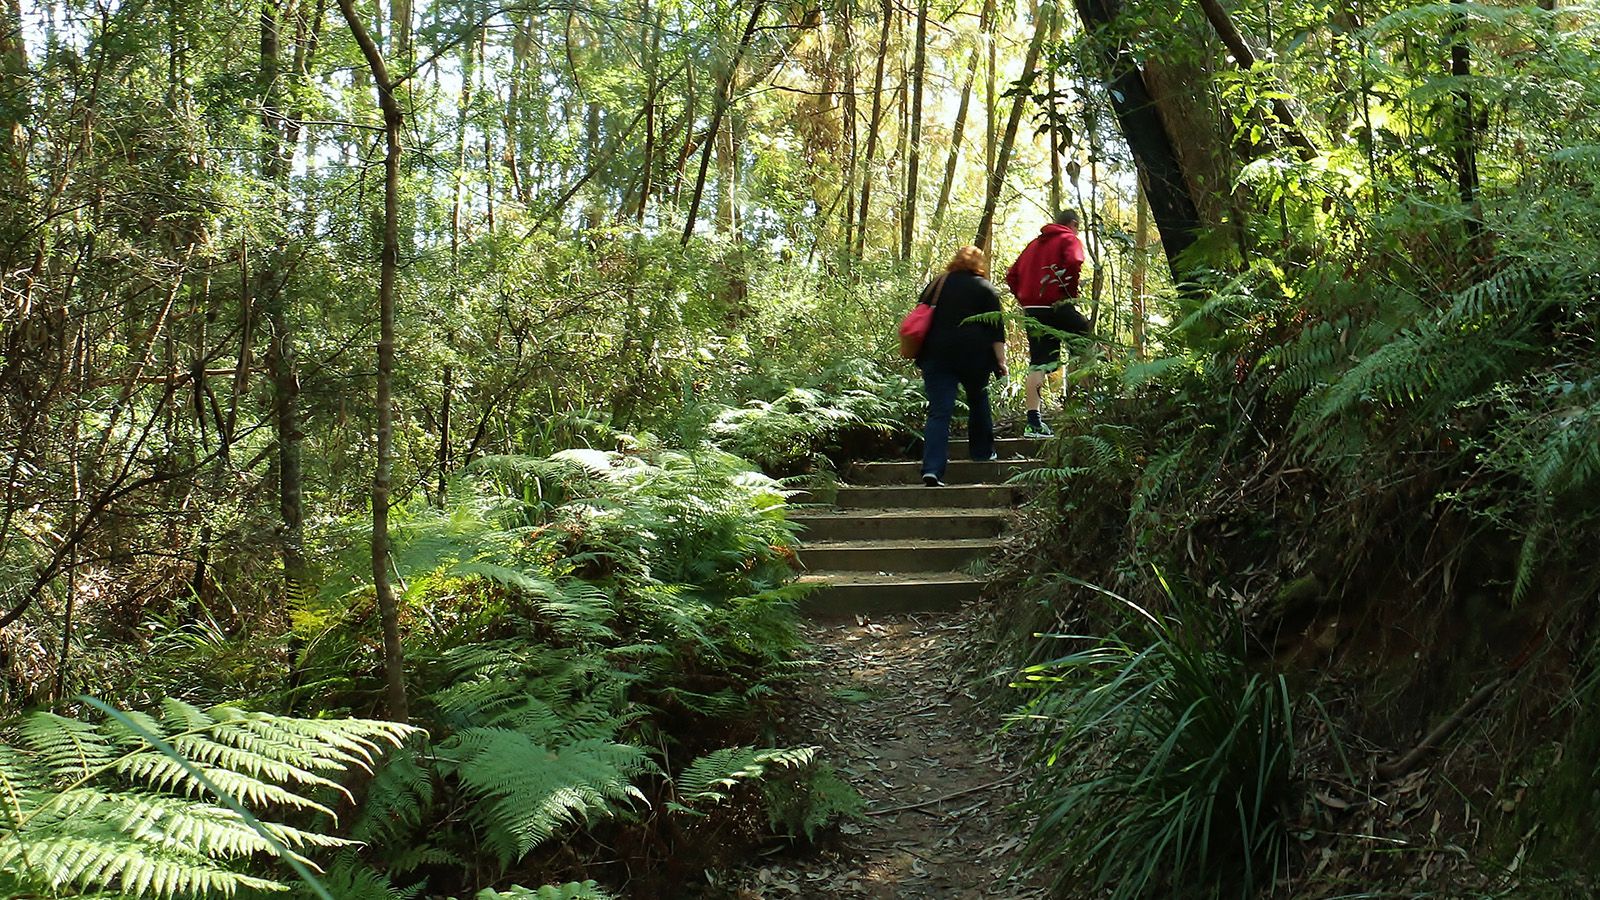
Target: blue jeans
{"points": [[941, 380]]}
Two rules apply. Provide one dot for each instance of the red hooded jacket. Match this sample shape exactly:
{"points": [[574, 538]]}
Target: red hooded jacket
{"points": [[1047, 270]]}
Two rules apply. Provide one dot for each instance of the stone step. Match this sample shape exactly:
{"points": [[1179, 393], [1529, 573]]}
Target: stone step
{"points": [[845, 594], [895, 556], [932, 524], [1008, 448], [959, 471], [915, 496]]}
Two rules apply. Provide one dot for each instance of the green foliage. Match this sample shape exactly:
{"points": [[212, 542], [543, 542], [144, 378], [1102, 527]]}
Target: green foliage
{"points": [[816, 800], [94, 807], [794, 433], [802, 794], [574, 611], [520, 792], [710, 778], [1167, 761]]}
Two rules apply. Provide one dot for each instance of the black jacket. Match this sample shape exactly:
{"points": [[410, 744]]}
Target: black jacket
{"points": [[952, 340]]}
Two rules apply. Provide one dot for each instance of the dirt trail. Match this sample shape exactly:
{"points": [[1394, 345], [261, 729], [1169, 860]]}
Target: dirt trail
{"points": [[893, 712]]}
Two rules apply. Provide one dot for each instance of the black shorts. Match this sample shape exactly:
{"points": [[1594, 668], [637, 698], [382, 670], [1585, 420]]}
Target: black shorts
{"points": [[1045, 349]]}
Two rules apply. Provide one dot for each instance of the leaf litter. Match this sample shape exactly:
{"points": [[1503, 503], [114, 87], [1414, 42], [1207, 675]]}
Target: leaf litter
{"points": [[900, 719]]}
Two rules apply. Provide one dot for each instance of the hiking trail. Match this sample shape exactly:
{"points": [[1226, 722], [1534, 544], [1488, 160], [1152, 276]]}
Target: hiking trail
{"points": [[891, 703]]}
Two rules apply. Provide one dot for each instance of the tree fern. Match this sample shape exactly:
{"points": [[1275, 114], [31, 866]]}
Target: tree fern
{"points": [[92, 806]]}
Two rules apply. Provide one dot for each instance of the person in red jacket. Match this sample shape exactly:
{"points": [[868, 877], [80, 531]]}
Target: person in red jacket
{"points": [[1044, 280]]}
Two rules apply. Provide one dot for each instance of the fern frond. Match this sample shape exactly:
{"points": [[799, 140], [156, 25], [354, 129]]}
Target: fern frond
{"points": [[711, 777], [396, 799], [71, 748], [525, 792], [103, 859], [93, 807]]}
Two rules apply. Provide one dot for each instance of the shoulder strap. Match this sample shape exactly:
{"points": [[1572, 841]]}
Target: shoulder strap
{"points": [[938, 288]]}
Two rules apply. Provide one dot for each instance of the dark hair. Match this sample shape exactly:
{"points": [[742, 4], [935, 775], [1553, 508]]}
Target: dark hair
{"points": [[1067, 217]]}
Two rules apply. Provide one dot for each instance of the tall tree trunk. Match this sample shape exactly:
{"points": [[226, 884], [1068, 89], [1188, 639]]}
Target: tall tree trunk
{"points": [[957, 135], [908, 228], [997, 175], [1162, 175], [388, 603], [719, 107], [269, 287], [1053, 131], [872, 130]]}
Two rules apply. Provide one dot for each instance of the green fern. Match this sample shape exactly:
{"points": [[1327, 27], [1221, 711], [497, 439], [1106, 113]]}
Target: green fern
{"points": [[711, 778], [92, 806], [523, 792], [350, 879]]}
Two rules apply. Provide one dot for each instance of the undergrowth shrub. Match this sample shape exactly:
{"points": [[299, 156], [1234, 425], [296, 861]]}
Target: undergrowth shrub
{"points": [[580, 627], [812, 420], [1165, 761]]}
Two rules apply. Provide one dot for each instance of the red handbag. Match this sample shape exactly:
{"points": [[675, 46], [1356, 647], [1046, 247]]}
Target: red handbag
{"points": [[914, 327]]}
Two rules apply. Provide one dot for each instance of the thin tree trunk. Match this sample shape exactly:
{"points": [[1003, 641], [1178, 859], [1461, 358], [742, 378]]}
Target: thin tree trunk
{"points": [[997, 175], [652, 52], [902, 134], [74, 510], [269, 288], [1465, 138], [488, 135], [847, 23], [991, 99], [957, 135], [459, 192], [1053, 134], [872, 130], [444, 433], [719, 106], [908, 228], [1141, 264], [388, 603]]}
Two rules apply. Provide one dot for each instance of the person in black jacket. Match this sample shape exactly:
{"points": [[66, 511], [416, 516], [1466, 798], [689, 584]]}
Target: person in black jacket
{"points": [[960, 353]]}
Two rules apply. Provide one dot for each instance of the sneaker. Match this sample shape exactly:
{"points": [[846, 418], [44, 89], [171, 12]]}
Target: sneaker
{"points": [[931, 480], [1039, 430], [994, 456]]}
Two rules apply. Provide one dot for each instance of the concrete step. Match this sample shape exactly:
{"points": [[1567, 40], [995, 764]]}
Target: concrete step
{"points": [[959, 471], [1008, 448], [845, 594], [895, 556], [869, 525], [915, 496]]}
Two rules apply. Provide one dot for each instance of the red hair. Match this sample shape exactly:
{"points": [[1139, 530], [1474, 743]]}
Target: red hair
{"points": [[969, 259]]}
